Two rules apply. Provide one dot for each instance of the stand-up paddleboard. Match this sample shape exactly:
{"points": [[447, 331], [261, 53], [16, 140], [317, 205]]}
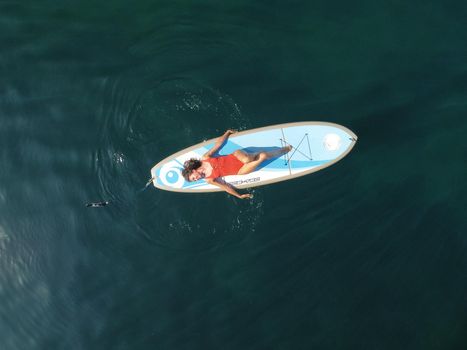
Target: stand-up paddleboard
{"points": [[316, 145]]}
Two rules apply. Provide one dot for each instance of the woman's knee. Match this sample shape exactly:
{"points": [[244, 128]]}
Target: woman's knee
{"points": [[262, 156]]}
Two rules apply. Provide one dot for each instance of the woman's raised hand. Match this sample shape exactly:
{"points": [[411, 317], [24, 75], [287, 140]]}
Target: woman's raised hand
{"points": [[230, 132]]}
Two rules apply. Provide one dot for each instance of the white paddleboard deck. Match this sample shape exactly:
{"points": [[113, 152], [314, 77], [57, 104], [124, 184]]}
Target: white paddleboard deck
{"points": [[316, 145]]}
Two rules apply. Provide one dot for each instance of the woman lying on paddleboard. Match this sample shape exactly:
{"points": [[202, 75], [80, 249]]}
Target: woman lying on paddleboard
{"points": [[212, 169]]}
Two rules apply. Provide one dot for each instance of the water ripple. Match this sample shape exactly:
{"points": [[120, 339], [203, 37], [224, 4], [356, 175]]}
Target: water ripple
{"points": [[138, 130]]}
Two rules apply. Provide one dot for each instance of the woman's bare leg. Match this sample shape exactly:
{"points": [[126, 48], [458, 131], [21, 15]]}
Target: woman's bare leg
{"points": [[245, 157], [256, 159]]}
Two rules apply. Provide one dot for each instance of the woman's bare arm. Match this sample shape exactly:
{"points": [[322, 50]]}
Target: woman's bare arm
{"points": [[228, 188], [220, 141]]}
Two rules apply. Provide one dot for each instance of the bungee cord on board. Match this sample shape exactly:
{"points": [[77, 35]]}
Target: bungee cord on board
{"points": [[296, 149]]}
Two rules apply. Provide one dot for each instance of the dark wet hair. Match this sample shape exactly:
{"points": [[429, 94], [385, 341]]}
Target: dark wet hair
{"points": [[189, 166]]}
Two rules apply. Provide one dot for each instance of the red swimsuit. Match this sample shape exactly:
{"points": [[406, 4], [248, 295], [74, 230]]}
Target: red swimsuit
{"points": [[223, 166]]}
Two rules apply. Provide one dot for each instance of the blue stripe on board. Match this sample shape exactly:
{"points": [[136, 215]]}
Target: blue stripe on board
{"points": [[295, 164]]}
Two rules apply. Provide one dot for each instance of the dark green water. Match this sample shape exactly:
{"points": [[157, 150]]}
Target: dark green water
{"points": [[367, 254]]}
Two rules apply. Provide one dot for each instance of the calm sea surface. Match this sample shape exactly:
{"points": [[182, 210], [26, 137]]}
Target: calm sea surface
{"points": [[370, 253]]}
